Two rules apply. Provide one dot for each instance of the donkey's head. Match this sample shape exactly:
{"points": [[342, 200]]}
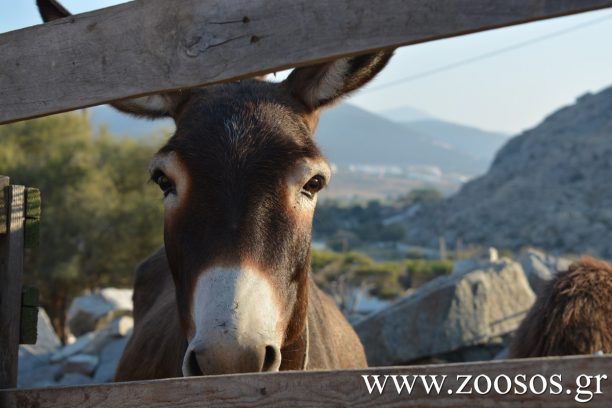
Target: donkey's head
{"points": [[240, 179]]}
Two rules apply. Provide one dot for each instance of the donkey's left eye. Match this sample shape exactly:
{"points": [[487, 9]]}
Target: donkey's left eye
{"points": [[313, 186]]}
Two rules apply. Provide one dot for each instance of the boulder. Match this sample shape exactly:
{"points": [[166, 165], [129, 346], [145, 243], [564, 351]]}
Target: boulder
{"points": [[74, 379], [86, 311], [540, 267], [84, 364], [46, 338], [449, 313], [464, 265], [109, 360], [75, 348], [43, 375], [121, 326], [117, 328]]}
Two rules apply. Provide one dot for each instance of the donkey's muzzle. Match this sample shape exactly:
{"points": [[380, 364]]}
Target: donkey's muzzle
{"points": [[210, 361], [235, 317]]}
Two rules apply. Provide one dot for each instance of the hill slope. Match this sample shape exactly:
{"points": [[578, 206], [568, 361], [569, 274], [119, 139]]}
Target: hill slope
{"points": [[548, 187], [469, 140], [350, 135]]}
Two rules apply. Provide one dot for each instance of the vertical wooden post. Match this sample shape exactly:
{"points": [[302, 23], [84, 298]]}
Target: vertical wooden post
{"points": [[11, 270]]}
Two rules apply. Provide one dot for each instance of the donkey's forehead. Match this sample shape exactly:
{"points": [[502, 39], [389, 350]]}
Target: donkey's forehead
{"points": [[243, 122], [247, 103]]}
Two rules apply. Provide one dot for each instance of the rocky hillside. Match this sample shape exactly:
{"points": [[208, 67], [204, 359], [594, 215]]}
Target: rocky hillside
{"points": [[549, 187]]}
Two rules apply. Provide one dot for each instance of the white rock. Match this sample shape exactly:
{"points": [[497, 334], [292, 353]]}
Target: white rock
{"points": [[85, 311], [109, 360], [74, 379], [121, 326], [540, 267], [41, 376], [47, 342], [493, 254], [79, 345]]}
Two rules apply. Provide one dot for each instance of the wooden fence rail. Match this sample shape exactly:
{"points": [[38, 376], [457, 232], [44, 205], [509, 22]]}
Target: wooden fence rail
{"points": [[143, 47], [342, 388]]}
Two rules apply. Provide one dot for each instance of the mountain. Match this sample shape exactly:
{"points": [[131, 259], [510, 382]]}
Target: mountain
{"points": [[548, 187], [469, 140], [405, 114], [351, 135]]}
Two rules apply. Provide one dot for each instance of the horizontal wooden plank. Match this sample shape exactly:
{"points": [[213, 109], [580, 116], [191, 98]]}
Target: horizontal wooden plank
{"points": [[338, 388], [144, 47]]}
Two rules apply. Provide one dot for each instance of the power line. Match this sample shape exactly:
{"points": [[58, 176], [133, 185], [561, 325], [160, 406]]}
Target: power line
{"points": [[486, 55]]}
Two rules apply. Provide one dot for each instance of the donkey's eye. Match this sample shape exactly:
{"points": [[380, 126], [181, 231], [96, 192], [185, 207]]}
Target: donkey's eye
{"points": [[164, 183], [313, 186]]}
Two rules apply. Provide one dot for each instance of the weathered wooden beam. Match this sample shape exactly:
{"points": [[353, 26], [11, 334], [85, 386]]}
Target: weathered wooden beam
{"points": [[144, 47], [341, 388], [11, 271]]}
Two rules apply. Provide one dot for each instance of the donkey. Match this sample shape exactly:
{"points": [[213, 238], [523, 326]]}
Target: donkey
{"points": [[572, 315], [231, 290]]}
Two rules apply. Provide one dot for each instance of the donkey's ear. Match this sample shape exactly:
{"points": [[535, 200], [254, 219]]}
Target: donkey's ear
{"points": [[323, 84], [153, 106], [51, 10]]}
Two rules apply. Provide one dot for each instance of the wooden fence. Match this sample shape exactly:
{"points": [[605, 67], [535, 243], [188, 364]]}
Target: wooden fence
{"points": [[144, 47], [341, 388]]}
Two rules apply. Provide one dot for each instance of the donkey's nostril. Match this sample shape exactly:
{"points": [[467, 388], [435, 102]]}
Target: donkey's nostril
{"points": [[271, 359], [194, 367]]}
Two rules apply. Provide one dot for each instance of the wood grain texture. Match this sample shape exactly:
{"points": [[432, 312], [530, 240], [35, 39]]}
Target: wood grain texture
{"points": [[144, 47], [325, 388], [11, 271]]}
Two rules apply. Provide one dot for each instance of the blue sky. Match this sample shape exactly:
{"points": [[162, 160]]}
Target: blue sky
{"points": [[508, 92]]}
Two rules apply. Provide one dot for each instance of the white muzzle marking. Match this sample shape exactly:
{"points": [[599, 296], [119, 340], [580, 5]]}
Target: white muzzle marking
{"points": [[235, 319]]}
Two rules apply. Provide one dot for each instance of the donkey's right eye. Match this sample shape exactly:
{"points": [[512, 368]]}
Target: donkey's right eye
{"points": [[164, 183]]}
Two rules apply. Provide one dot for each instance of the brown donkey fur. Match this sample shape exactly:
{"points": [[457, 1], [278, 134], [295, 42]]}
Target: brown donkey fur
{"points": [[572, 315]]}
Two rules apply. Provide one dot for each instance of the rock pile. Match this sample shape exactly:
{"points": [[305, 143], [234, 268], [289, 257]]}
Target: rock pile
{"points": [[103, 324], [469, 315]]}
